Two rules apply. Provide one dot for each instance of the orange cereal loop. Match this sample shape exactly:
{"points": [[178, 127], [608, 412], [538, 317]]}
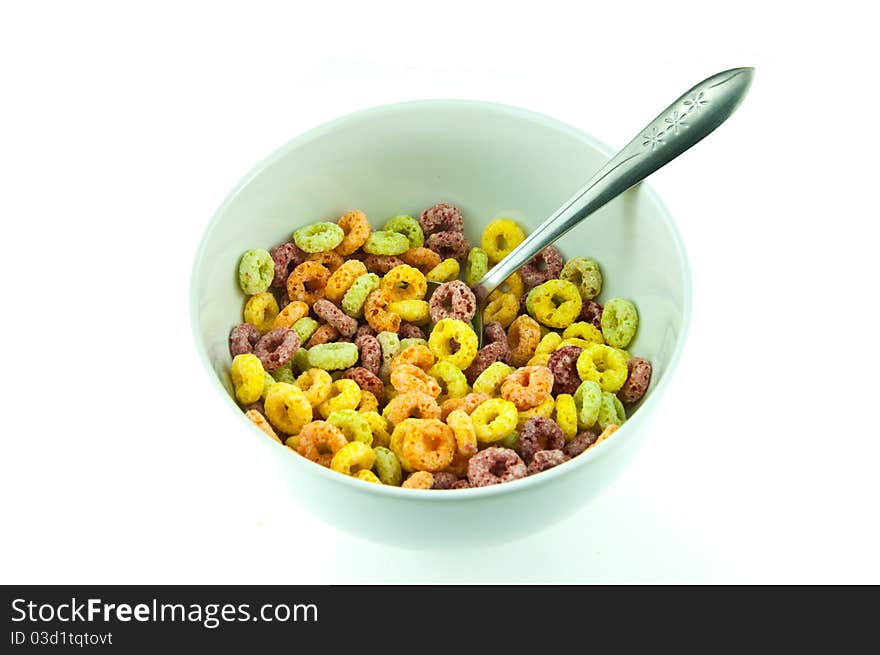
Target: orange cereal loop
{"points": [[463, 429], [342, 279], [429, 445], [324, 334], [468, 404], [357, 230], [377, 314], [260, 421], [407, 378], [319, 441], [607, 432], [419, 480], [418, 355], [291, 313], [459, 465], [307, 281], [421, 258], [411, 405], [523, 338], [329, 259], [527, 387]]}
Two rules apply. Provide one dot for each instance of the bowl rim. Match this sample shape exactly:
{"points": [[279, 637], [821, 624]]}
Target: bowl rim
{"points": [[475, 493]]}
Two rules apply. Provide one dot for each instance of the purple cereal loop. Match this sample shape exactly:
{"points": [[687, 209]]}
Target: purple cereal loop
{"points": [[493, 331], [381, 264], [591, 312], [441, 218], [410, 331], [287, 257], [546, 459], [365, 329], [444, 480], [449, 245], [563, 365], [345, 324], [539, 433], [580, 443], [243, 338], [452, 300], [461, 484], [276, 348], [637, 381], [494, 466], [487, 355], [367, 381], [546, 265], [370, 352]]}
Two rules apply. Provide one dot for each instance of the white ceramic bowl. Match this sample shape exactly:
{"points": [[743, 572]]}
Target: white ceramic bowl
{"points": [[491, 161]]}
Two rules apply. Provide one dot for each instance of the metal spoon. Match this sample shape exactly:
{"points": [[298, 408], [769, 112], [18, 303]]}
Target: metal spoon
{"points": [[685, 122]]}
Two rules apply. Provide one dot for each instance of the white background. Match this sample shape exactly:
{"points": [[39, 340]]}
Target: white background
{"points": [[123, 128]]}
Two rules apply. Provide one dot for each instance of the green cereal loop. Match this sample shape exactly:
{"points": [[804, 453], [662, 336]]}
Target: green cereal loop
{"points": [[584, 273], [390, 344], [387, 467], [412, 341], [256, 271], [611, 411], [268, 381], [620, 320], [588, 401], [333, 356], [476, 267], [408, 227], [285, 373], [354, 426], [300, 361], [354, 299], [385, 242], [318, 237], [305, 328]]}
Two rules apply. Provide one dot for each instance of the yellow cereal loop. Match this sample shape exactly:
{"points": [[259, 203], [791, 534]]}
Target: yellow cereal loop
{"points": [[315, 383], [539, 360], [463, 428], [367, 476], [604, 365], [260, 310], [489, 381], [344, 394], [566, 415], [414, 311], [585, 331], [445, 271], [248, 378], [404, 283], [453, 383], [378, 427], [574, 341], [556, 303], [446, 330], [513, 284], [549, 343], [544, 410], [504, 308], [287, 407], [352, 458], [494, 419], [500, 237], [342, 279], [368, 403]]}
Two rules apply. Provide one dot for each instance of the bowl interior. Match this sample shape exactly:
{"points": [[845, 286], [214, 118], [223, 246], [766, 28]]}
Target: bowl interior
{"points": [[490, 160]]}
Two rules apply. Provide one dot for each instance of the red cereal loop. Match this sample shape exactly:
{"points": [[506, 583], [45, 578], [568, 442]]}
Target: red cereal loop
{"points": [[410, 331], [546, 459], [591, 312], [528, 386], [546, 265], [563, 365], [441, 218], [368, 381], [334, 316], [276, 348], [444, 480], [461, 484], [487, 355], [287, 256], [449, 245], [324, 334], [381, 264], [243, 338], [637, 381], [580, 443], [370, 353], [494, 466], [453, 300], [539, 433]]}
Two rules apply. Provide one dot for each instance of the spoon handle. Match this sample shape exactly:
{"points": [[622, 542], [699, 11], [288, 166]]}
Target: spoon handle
{"points": [[685, 122]]}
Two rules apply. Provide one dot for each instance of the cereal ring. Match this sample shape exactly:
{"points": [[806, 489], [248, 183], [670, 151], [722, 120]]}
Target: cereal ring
{"points": [[367, 476], [333, 356], [544, 266], [406, 343], [260, 311], [500, 237], [287, 407], [377, 313], [563, 365], [344, 394], [588, 401], [342, 279], [411, 405], [566, 415], [356, 228], [556, 303], [369, 403], [291, 313], [307, 281], [345, 325], [489, 381], [488, 355], [543, 409], [318, 237], [404, 283], [467, 404], [369, 352], [449, 245], [546, 459], [445, 271], [243, 338], [494, 466], [523, 338], [387, 467], [453, 300], [421, 258], [353, 458], [611, 411], [494, 419], [378, 427], [260, 421], [603, 364], [381, 264], [247, 378], [428, 445], [417, 355], [353, 425], [385, 242], [461, 484], [459, 464], [411, 311], [276, 347], [256, 270], [300, 361], [364, 328], [512, 284], [503, 308], [445, 331], [493, 332], [548, 344], [329, 260], [410, 331], [476, 267], [315, 383], [419, 480], [452, 381], [286, 257], [408, 378], [539, 360], [354, 299], [620, 320], [324, 334], [463, 430], [539, 434], [637, 381], [305, 328], [584, 331], [441, 218], [408, 227], [527, 387], [443, 480], [580, 443], [584, 273], [319, 442], [390, 344], [591, 313]]}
